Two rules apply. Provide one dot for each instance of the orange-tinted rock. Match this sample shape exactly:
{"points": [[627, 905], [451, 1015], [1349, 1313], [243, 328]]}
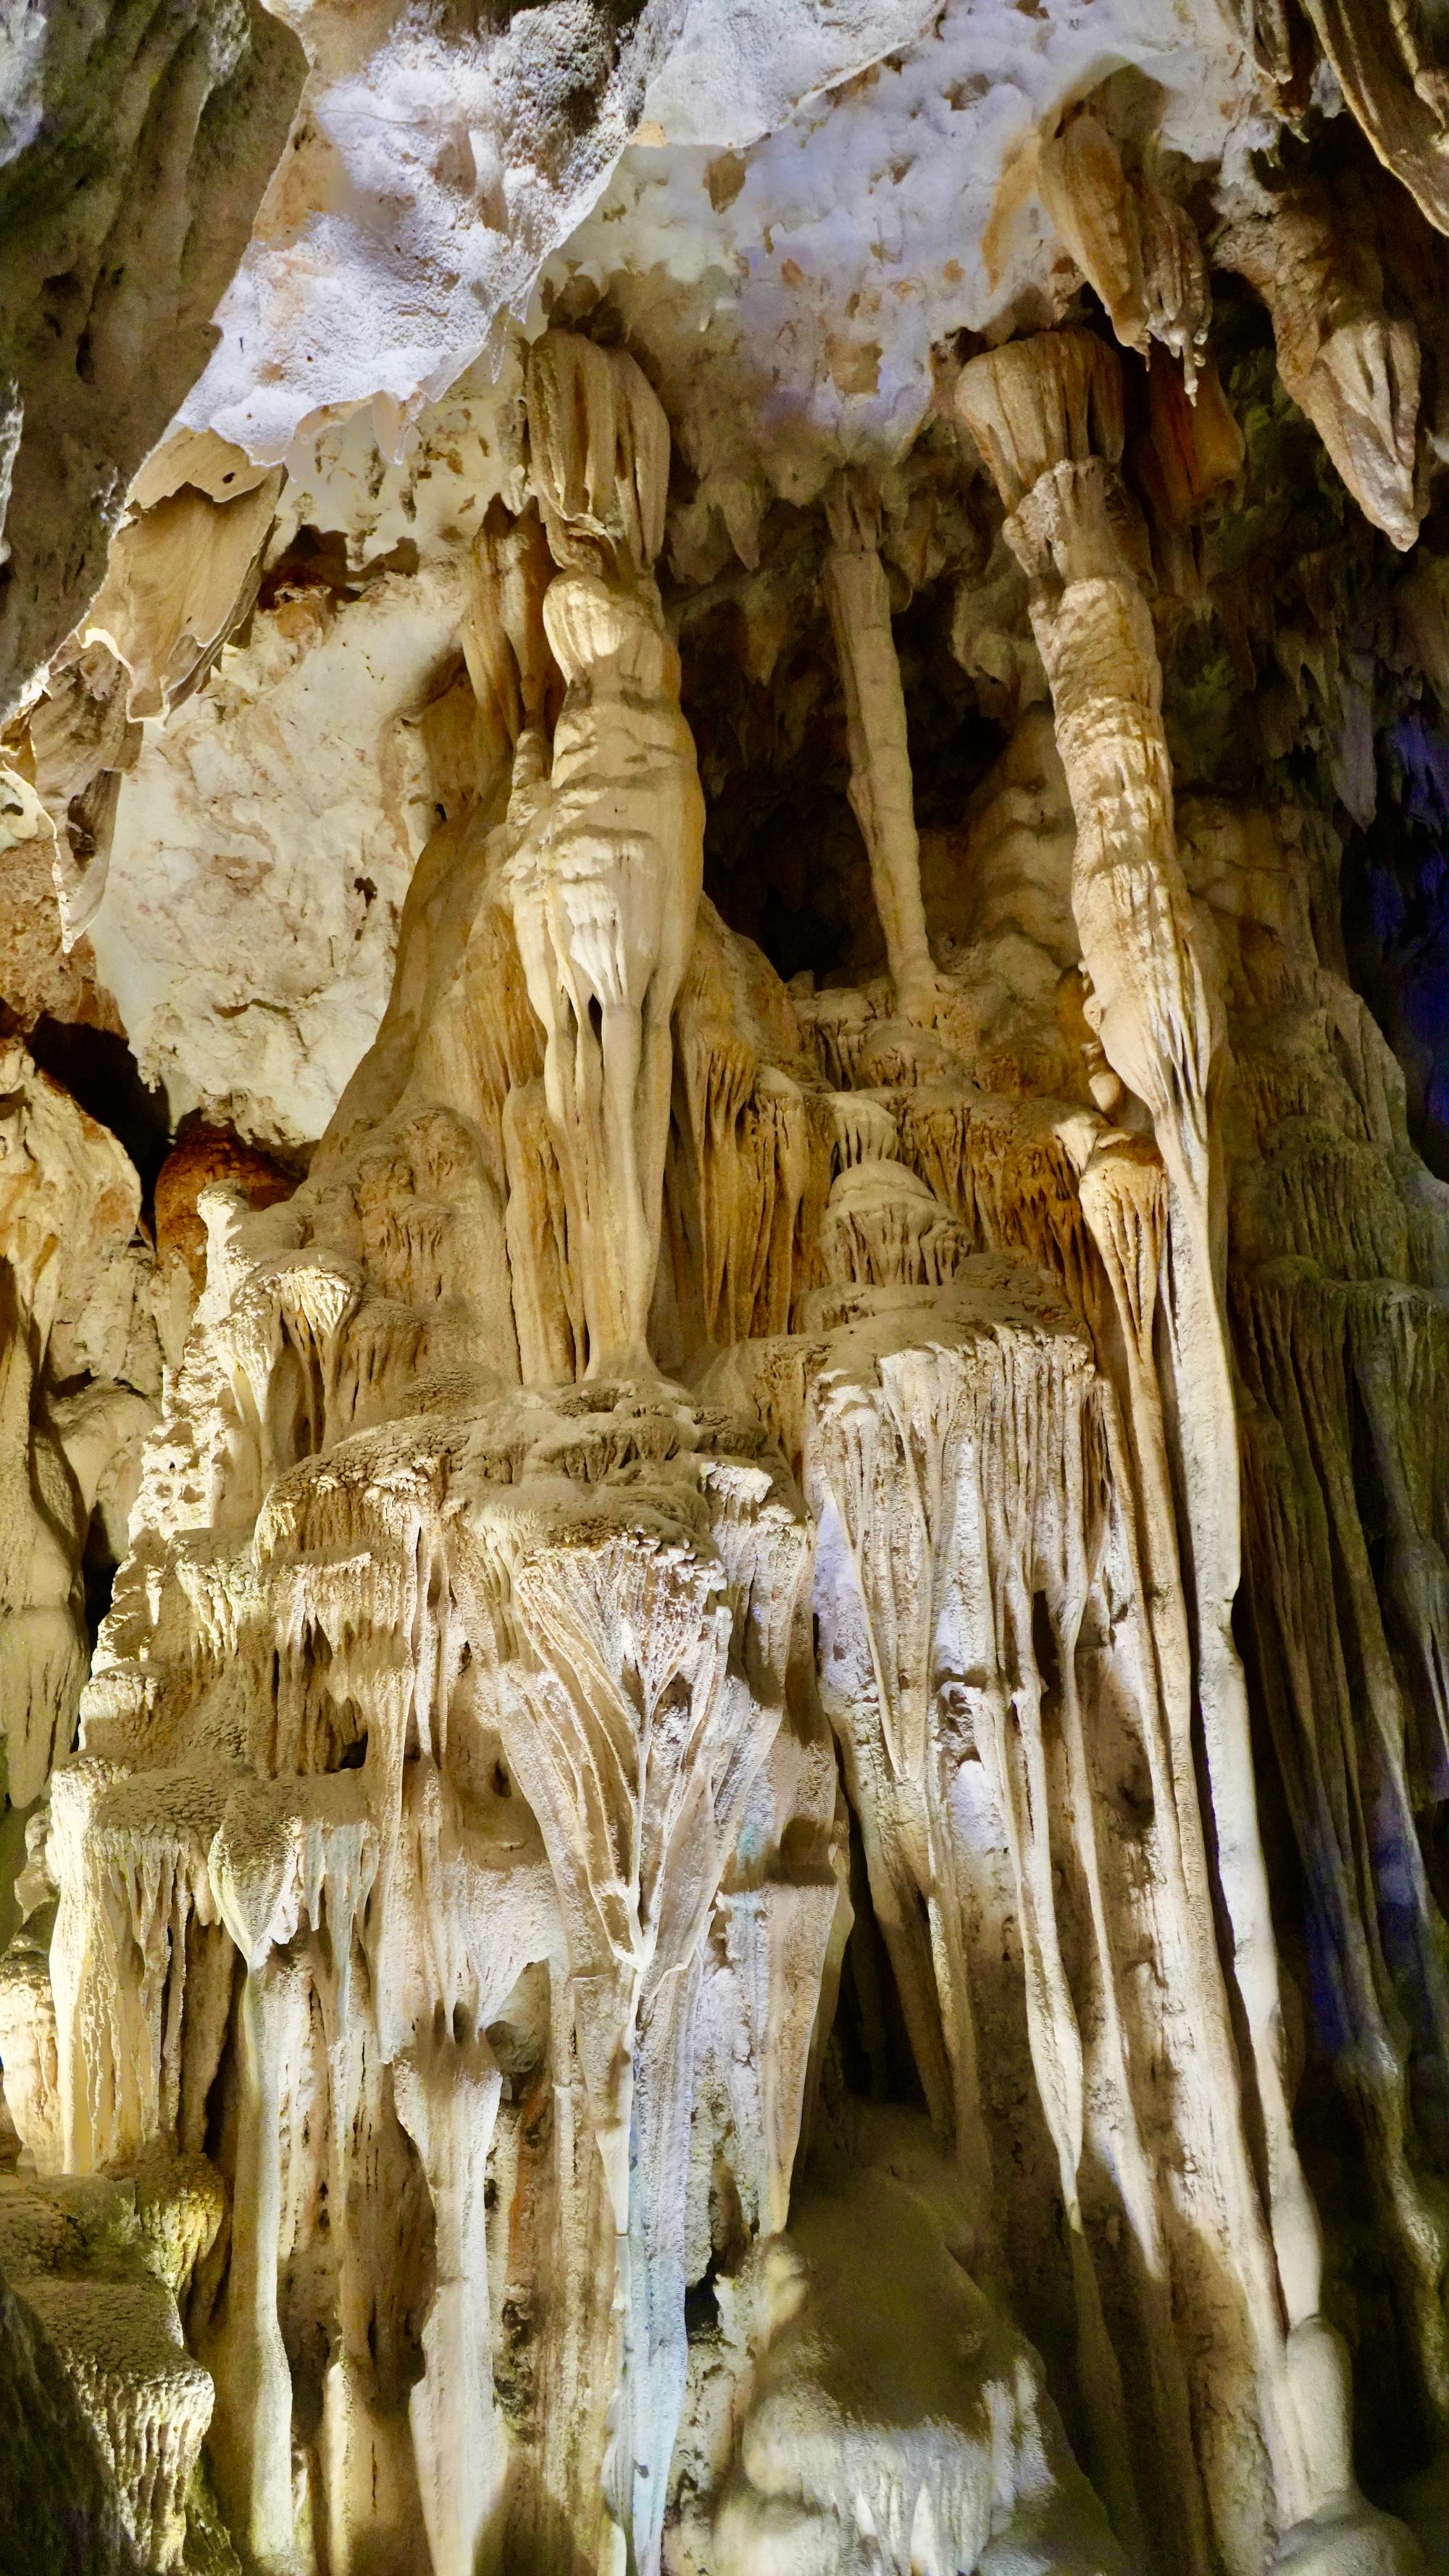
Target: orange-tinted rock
{"points": [[208, 1154]]}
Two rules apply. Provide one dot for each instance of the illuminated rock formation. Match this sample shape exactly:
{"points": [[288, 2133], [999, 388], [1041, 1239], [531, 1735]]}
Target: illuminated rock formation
{"points": [[723, 1366]]}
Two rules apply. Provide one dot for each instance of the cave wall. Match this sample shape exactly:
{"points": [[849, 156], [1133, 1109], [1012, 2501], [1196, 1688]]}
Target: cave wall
{"points": [[724, 1291]]}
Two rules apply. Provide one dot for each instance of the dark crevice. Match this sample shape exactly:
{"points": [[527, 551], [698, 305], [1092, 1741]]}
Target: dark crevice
{"points": [[99, 1071], [784, 858]]}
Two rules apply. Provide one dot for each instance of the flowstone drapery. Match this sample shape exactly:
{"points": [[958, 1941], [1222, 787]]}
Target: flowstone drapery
{"points": [[1047, 412], [455, 1854], [726, 1660]]}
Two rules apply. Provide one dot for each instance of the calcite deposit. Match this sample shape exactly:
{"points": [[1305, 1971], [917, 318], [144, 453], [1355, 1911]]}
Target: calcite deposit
{"points": [[724, 1290]]}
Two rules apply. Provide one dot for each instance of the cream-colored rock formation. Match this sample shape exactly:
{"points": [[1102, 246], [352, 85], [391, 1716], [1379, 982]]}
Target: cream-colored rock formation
{"points": [[724, 1338]]}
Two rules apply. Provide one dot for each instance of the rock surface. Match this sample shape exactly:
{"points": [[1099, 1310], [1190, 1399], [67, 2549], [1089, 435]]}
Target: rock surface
{"points": [[137, 141], [724, 1356], [63, 2509]]}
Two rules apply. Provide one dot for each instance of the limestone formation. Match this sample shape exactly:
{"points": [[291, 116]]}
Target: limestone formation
{"points": [[605, 867], [723, 1357], [1385, 62], [1133, 243], [1351, 365], [138, 144], [77, 1365], [880, 765]]}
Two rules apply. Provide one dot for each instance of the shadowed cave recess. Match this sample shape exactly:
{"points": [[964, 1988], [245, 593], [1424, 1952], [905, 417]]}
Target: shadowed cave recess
{"points": [[724, 1289]]}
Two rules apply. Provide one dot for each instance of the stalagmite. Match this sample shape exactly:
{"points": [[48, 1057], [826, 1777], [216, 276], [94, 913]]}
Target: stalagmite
{"points": [[901, 2428], [103, 2267]]}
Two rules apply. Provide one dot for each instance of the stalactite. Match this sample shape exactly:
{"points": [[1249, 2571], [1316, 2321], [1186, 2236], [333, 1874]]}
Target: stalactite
{"points": [[673, 1915], [1352, 366], [751, 1153], [1137, 248], [1046, 413], [1391, 82]]}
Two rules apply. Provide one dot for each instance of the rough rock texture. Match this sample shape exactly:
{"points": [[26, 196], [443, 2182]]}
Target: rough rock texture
{"points": [[79, 1363], [138, 136], [724, 1614], [62, 2506]]}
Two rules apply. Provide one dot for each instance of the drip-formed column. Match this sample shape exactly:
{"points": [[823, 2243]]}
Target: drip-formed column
{"points": [[42, 1639], [881, 789], [638, 1697], [251, 1863], [288, 1857], [618, 1632], [608, 844], [1124, 1199], [253, 2427], [1046, 415], [447, 2099], [1124, 1196]]}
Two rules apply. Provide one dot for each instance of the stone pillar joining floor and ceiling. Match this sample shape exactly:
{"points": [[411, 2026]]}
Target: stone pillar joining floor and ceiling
{"points": [[1046, 415], [608, 828]]}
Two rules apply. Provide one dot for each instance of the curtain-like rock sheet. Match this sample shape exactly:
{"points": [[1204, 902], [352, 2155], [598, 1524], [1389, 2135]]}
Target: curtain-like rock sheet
{"points": [[727, 1663], [456, 1855]]}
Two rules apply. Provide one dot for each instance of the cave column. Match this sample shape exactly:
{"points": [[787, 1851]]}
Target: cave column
{"points": [[1046, 415], [607, 830], [252, 2430], [447, 2098], [630, 1726], [882, 791]]}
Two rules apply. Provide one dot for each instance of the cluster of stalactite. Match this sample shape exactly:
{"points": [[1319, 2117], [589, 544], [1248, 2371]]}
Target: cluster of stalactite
{"points": [[700, 1503]]}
